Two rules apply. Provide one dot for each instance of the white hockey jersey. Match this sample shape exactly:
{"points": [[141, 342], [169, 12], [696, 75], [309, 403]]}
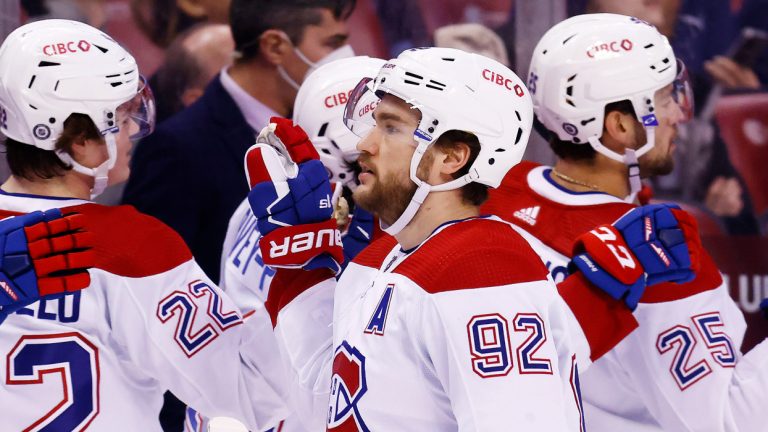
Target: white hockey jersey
{"points": [[466, 332], [244, 276], [245, 279], [100, 359], [681, 370]]}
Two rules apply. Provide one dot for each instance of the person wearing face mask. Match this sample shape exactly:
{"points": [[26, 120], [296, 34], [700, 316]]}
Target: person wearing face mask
{"points": [[189, 172]]}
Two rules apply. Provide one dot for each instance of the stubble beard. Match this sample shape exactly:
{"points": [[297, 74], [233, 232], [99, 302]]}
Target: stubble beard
{"points": [[387, 198], [657, 166], [390, 195]]}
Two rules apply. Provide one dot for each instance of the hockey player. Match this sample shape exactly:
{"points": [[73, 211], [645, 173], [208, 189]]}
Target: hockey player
{"points": [[453, 324], [72, 99], [319, 109], [610, 92]]}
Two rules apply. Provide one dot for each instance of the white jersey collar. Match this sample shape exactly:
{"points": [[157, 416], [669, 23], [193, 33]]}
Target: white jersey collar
{"points": [[25, 203]]}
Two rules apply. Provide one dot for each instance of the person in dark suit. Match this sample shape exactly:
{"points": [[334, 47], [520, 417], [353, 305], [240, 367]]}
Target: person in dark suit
{"points": [[190, 172]]}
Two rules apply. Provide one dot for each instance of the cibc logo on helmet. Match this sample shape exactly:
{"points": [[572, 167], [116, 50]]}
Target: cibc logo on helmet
{"points": [[66, 47], [337, 99], [499, 79], [614, 46]]}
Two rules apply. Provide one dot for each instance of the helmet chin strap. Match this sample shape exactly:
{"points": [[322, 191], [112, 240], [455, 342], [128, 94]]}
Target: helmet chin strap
{"points": [[418, 198], [423, 189], [100, 174], [630, 159]]}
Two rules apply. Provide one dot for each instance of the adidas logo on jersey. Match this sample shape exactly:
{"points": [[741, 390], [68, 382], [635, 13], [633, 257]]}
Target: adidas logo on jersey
{"points": [[528, 214]]}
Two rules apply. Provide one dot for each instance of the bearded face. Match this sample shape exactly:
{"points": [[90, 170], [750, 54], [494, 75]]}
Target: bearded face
{"points": [[385, 154], [660, 159]]}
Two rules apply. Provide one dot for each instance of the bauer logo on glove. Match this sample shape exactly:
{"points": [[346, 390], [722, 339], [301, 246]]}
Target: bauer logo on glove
{"points": [[293, 203]]}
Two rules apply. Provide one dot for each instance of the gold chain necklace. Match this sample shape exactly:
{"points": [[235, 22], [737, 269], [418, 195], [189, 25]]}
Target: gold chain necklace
{"points": [[573, 180]]}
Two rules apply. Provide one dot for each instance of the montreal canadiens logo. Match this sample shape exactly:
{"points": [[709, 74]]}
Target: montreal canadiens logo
{"points": [[347, 387], [41, 131]]}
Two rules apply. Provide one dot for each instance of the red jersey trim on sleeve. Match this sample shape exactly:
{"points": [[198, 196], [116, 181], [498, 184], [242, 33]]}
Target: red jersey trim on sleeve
{"points": [[289, 284], [132, 244], [604, 321], [478, 253], [127, 242], [707, 279]]}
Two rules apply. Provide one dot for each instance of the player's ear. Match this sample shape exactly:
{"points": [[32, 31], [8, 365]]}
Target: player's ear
{"points": [[455, 157], [274, 46], [192, 8], [619, 131], [87, 151]]}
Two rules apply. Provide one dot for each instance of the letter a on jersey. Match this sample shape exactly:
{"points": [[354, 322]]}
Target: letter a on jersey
{"points": [[379, 318]]}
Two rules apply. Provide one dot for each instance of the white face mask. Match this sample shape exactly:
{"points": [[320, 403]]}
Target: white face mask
{"points": [[344, 51]]}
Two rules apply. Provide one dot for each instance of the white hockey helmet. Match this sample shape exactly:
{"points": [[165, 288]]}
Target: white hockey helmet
{"points": [[51, 69], [453, 90], [319, 109], [588, 61]]}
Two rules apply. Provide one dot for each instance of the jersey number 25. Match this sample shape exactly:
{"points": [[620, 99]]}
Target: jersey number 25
{"points": [[682, 340]]}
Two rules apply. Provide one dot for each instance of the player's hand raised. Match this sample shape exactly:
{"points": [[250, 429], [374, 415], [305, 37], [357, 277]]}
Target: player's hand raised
{"points": [[293, 202], [42, 255]]}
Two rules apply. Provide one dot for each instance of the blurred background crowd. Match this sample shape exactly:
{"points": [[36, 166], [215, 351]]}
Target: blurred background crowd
{"points": [[721, 170], [182, 45]]}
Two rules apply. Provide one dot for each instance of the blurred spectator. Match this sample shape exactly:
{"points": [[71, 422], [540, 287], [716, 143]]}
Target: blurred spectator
{"points": [[754, 13], [191, 61], [87, 11], [189, 173], [474, 38], [706, 174], [402, 24], [660, 13], [163, 20], [413, 23]]}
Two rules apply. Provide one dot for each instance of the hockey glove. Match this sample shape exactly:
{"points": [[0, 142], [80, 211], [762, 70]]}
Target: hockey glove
{"points": [[293, 203], [42, 255], [359, 233], [644, 247]]}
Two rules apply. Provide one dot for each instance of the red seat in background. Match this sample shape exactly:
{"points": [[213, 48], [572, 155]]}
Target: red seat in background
{"points": [[743, 122]]}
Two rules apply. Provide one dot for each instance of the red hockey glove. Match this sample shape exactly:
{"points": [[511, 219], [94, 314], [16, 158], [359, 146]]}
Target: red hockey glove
{"points": [[42, 255], [648, 245], [293, 204]]}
